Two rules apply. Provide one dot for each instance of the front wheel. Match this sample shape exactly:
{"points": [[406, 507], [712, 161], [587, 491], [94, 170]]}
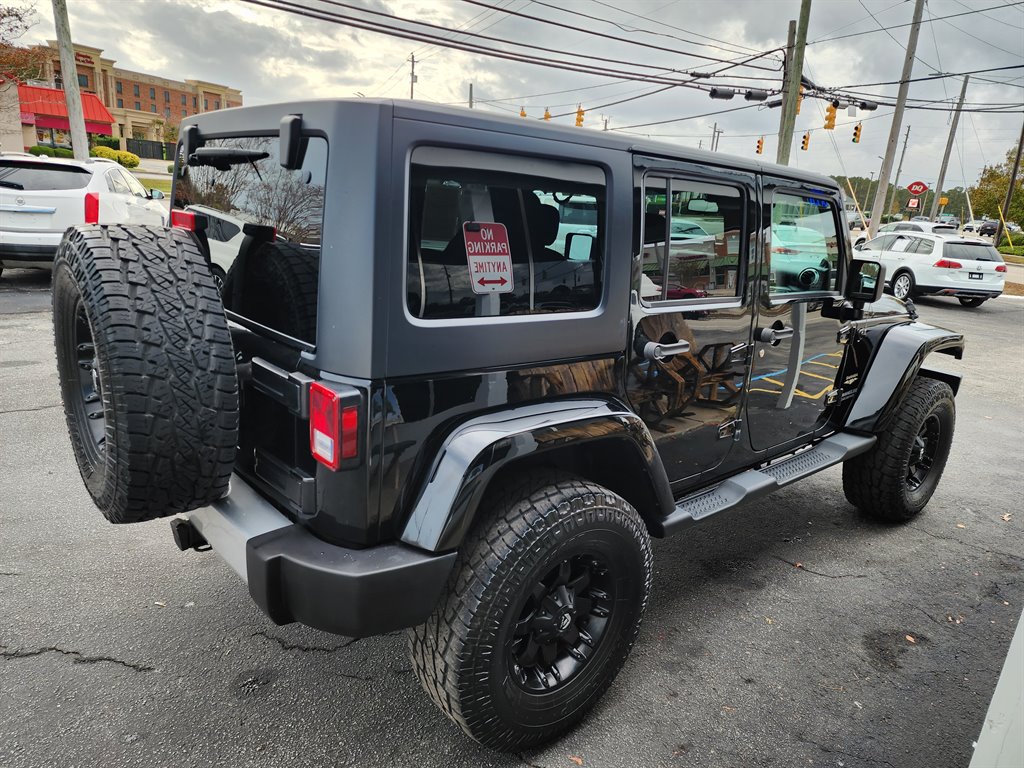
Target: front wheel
{"points": [[971, 301], [895, 479], [903, 286], [541, 610]]}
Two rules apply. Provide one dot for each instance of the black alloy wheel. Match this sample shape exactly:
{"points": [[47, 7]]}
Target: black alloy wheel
{"points": [[87, 407], [923, 452], [562, 623]]}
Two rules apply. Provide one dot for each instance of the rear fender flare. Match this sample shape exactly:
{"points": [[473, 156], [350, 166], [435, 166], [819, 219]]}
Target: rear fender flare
{"points": [[898, 358], [475, 451]]}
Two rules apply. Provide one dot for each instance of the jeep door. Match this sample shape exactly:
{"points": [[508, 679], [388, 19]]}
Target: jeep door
{"points": [[797, 352], [691, 312]]}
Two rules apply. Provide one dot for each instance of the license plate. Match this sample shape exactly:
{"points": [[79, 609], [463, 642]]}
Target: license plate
{"points": [[975, 276]]}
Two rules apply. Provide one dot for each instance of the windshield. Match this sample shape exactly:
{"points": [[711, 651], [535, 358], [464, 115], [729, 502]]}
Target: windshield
{"points": [[976, 251]]}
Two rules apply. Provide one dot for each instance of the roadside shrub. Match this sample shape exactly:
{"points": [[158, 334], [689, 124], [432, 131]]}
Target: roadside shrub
{"points": [[1012, 250], [105, 152], [107, 141], [127, 159], [40, 151], [170, 168]]}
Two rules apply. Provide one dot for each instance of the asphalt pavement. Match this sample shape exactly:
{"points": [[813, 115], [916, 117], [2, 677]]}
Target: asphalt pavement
{"points": [[791, 632]]}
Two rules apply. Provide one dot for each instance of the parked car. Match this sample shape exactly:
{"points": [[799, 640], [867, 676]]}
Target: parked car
{"points": [[920, 218], [433, 421], [948, 219], [40, 197], [911, 226], [224, 236], [988, 228], [853, 220], [927, 264]]}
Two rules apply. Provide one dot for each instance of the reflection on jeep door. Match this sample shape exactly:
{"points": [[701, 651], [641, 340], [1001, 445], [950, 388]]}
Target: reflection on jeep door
{"points": [[691, 320], [797, 354]]}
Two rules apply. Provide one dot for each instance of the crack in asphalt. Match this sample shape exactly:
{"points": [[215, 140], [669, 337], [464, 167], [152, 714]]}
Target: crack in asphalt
{"points": [[285, 645], [831, 751], [967, 544], [802, 567], [30, 410], [10, 573], [77, 657]]}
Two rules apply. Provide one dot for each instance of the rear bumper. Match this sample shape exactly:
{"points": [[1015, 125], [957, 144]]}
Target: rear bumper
{"points": [[39, 254], [296, 577], [959, 291]]}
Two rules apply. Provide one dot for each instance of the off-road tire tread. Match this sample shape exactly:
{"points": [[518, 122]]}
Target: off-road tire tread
{"points": [[875, 482], [522, 509], [167, 367], [285, 277]]}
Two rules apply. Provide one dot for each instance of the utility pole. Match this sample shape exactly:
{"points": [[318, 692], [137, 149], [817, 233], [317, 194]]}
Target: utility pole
{"points": [[470, 95], [786, 66], [1009, 190], [715, 133], [69, 74], [899, 170], [897, 118], [412, 75], [949, 148], [794, 72]]}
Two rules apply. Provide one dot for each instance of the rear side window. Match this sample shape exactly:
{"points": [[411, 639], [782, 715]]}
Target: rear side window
{"points": [[971, 251], [924, 247], [270, 275], [40, 177], [804, 248], [496, 235]]}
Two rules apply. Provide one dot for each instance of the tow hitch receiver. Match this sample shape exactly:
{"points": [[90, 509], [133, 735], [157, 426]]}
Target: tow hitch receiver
{"points": [[187, 537]]}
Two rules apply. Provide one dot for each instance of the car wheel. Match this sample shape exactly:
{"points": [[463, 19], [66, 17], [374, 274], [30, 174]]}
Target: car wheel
{"points": [[220, 277], [895, 479], [972, 301], [541, 610], [146, 370], [903, 285]]}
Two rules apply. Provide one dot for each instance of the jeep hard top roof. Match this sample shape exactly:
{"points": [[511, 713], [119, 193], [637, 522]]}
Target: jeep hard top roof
{"points": [[242, 120]]}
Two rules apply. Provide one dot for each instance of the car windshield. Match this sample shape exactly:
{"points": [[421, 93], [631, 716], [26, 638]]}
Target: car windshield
{"points": [[975, 251], [37, 177]]}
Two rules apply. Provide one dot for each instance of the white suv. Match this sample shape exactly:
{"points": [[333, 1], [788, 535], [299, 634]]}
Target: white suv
{"points": [[925, 264], [40, 197]]}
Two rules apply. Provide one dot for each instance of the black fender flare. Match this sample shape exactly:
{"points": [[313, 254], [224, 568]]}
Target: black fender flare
{"points": [[898, 357], [476, 450]]}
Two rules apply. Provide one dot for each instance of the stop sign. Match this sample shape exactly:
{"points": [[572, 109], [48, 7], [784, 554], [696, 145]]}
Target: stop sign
{"points": [[917, 188]]}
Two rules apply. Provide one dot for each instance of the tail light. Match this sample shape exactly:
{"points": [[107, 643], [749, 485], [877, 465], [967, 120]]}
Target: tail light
{"points": [[183, 220], [948, 264], [92, 207], [1000, 268], [333, 425]]}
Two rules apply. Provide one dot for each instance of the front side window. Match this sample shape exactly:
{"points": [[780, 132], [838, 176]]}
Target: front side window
{"points": [[543, 256], [271, 272], [804, 247], [115, 183], [692, 233]]}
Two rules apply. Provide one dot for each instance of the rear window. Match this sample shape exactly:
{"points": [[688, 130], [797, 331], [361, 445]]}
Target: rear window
{"points": [[270, 274], [944, 230], [975, 251], [39, 177]]}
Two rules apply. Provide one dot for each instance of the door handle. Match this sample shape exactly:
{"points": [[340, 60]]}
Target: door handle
{"points": [[654, 350], [774, 335]]}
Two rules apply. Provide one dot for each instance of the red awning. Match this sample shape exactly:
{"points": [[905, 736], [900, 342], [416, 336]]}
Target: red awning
{"points": [[50, 109], [45, 121]]}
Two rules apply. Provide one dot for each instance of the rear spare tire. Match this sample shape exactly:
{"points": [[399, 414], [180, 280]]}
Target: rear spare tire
{"points": [[146, 370]]}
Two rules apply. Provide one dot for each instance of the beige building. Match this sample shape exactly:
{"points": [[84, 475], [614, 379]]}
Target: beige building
{"points": [[142, 105]]}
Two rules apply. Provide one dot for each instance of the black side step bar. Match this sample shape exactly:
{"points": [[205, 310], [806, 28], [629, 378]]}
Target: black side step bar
{"points": [[755, 483]]}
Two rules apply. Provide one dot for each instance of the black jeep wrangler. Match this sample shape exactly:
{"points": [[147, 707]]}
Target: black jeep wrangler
{"points": [[406, 366]]}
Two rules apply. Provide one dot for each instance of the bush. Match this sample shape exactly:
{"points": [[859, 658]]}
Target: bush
{"points": [[40, 151], [170, 168], [1015, 250], [105, 152], [128, 159], [107, 141]]}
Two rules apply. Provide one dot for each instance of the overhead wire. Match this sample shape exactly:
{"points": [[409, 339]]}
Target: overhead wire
{"points": [[909, 24]]}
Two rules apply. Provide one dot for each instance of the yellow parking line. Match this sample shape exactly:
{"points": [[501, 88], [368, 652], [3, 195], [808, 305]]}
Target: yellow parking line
{"points": [[827, 365], [799, 392], [826, 378]]}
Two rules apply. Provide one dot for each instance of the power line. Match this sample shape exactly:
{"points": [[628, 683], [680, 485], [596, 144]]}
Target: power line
{"points": [[898, 26], [688, 117], [605, 36], [937, 76], [989, 43], [993, 18]]}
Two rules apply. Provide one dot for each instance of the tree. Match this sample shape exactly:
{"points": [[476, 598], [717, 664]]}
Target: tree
{"points": [[988, 194], [15, 22], [24, 62]]}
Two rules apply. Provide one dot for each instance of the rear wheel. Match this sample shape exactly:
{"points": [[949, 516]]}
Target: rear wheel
{"points": [[895, 479], [540, 612], [146, 370], [903, 286], [971, 301]]}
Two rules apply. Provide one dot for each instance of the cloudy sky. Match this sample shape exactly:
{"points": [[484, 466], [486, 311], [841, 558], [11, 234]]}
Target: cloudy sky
{"points": [[275, 56]]}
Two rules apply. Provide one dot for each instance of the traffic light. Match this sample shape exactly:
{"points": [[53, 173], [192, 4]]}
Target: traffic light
{"points": [[760, 146], [579, 116], [830, 117], [547, 113], [856, 133], [806, 142], [522, 111], [799, 99]]}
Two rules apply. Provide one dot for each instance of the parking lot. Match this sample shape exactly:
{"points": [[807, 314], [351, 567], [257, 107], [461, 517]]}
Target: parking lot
{"points": [[788, 633]]}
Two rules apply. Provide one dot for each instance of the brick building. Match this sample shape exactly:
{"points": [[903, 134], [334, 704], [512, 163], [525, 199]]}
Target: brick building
{"points": [[140, 104]]}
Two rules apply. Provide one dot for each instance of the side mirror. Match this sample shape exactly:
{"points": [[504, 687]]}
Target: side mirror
{"points": [[859, 247], [156, 194], [579, 246], [865, 281]]}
